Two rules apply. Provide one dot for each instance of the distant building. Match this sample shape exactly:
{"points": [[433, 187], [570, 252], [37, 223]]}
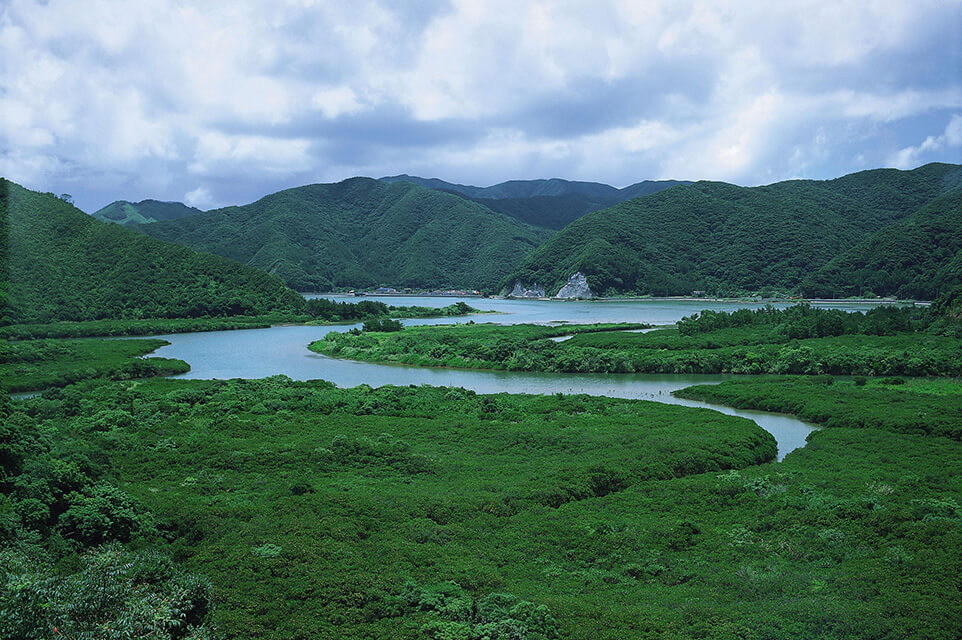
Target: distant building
{"points": [[698, 294], [384, 290]]}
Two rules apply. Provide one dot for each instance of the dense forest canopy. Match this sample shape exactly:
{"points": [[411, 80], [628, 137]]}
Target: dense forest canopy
{"points": [[726, 239], [359, 233], [61, 264], [918, 257]]}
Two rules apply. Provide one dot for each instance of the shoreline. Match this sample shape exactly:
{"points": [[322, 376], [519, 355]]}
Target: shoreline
{"points": [[747, 299]]}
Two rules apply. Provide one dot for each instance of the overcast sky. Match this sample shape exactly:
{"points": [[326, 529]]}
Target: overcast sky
{"points": [[222, 102]]}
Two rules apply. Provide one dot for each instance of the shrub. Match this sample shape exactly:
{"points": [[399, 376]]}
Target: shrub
{"points": [[383, 325], [267, 551], [105, 513]]}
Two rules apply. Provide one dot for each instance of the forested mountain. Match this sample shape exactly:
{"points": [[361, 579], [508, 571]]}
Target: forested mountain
{"points": [[124, 212], [362, 232], [550, 212], [727, 239], [61, 264], [918, 257], [551, 203]]}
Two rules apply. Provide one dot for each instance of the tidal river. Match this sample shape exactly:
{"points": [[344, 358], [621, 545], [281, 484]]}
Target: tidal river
{"points": [[256, 353]]}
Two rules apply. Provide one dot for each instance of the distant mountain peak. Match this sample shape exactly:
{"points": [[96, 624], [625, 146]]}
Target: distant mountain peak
{"points": [[125, 212], [546, 202]]}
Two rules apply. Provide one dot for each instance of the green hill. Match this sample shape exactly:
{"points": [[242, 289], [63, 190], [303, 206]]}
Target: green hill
{"points": [[551, 212], [551, 203], [726, 239], [918, 257], [61, 264], [123, 212], [359, 233]]}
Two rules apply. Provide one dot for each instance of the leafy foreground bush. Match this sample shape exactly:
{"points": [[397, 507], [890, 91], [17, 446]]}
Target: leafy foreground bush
{"points": [[65, 574], [497, 615], [114, 594]]}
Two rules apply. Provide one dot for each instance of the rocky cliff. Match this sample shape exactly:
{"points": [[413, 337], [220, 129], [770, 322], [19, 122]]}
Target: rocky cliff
{"points": [[522, 291], [576, 287]]}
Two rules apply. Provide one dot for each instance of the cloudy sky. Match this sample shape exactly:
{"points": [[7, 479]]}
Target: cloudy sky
{"points": [[216, 103]]}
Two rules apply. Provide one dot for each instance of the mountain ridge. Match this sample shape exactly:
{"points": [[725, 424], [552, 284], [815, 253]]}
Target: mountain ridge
{"points": [[361, 232], [551, 203]]}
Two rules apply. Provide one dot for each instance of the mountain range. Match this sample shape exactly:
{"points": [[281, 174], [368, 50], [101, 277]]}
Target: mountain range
{"points": [[879, 232]]}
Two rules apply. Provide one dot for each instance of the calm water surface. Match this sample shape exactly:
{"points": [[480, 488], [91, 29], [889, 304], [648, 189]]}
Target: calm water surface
{"points": [[583, 312], [282, 350]]}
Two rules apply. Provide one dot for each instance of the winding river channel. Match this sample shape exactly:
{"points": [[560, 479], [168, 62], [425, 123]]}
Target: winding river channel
{"points": [[282, 350]]}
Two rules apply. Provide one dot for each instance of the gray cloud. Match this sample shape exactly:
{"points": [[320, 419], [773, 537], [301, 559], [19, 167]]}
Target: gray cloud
{"points": [[222, 104]]}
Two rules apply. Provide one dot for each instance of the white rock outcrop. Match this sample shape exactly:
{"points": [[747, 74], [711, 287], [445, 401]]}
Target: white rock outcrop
{"points": [[521, 291], [576, 287]]}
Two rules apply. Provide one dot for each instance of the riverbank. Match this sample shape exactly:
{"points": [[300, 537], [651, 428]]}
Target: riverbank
{"points": [[711, 299], [35, 365], [158, 326]]}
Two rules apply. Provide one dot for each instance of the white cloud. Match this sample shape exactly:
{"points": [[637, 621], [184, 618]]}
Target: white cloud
{"points": [[910, 157], [334, 102], [199, 197], [246, 97], [225, 155]]}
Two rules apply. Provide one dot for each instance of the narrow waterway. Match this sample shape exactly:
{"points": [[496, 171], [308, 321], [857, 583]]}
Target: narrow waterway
{"points": [[282, 350]]}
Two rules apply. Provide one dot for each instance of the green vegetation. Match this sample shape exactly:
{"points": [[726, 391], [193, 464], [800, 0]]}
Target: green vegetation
{"points": [[351, 511], [923, 407], [152, 326], [475, 346], [61, 264], [62, 519], [552, 204], [360, 233], [138, 507], [800, 340], [919, 257], [312, 313], [38, 364], [550, 212], [727, 240], [123, 212], [384, 325], [806, 321], [332, 311], [947, 313], [431, 512]]}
